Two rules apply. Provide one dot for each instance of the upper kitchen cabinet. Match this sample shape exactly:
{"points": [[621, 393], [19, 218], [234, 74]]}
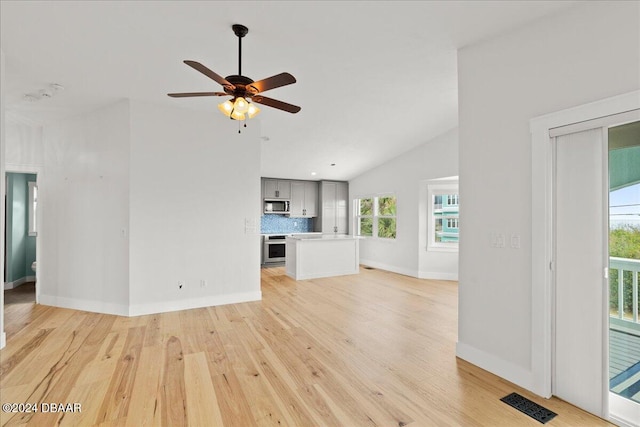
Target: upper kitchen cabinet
{"points": [[276, 189], [333, 207], [304, 199]]}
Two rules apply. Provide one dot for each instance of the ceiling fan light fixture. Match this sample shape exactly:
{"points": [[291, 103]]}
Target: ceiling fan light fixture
{"points": [[241, 105], [236, 115], [252, 111], [226, 108]]}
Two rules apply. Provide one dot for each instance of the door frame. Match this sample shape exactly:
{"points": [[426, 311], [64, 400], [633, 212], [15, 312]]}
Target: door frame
{"points": [[542, 235]]}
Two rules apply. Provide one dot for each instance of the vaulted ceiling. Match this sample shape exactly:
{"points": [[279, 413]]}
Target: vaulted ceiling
{"points": [[375, 79]]}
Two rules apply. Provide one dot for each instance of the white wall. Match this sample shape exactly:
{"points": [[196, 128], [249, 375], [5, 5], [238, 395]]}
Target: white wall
{"points": [[2, 194], [23, 150], [194, 181], [587, 53], [84, 201], [403, 176]]}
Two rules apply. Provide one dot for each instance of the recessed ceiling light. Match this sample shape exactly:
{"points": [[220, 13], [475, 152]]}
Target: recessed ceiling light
{"points": [[313, 173]]}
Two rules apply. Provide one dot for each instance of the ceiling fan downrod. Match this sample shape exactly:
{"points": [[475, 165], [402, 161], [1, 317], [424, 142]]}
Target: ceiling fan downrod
{"points": [[240, 31]]}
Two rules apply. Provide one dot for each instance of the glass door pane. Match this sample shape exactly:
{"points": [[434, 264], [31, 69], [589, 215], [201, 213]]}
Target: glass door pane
{"points": [[624, 262]]}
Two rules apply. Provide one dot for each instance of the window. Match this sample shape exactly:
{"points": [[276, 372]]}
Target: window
{"points": [[33, 204], [365, 217], [376, 217], [443, 221]]}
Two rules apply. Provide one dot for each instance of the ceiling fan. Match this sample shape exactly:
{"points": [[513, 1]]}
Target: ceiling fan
{"points": [[242, 88]]}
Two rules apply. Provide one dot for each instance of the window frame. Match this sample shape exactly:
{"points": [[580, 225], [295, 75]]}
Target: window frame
{"points": [[375, 216], [434, 190]]}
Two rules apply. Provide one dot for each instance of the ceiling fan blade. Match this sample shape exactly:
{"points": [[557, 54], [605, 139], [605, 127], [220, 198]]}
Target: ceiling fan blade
{"points": [[189, 94], [207, 72], [269, 102], [273, 82]]}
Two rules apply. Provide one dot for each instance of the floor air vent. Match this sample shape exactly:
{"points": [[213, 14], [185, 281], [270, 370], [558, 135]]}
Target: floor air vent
{"points": [[524, 405]]}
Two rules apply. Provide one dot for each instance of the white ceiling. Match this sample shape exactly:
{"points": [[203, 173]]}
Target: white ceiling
{"points": [[375, 79]]}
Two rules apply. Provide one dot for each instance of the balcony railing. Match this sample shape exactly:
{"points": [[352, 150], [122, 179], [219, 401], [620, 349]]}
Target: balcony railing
{"points": [[622, 265]]}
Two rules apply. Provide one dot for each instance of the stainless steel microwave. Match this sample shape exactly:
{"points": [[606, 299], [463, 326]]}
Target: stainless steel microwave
{"points": [[277, 206]]}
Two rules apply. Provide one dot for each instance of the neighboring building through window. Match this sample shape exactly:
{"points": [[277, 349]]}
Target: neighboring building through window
{"points": [[376, 216], [443, 217]]}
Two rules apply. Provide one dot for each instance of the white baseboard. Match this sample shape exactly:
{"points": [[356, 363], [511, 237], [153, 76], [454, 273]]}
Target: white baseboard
{"points": [[187, 304], [20, 281], [3, 339], [387, 267], [496, 365], [437, 275], [84, 305], [150, 308]]}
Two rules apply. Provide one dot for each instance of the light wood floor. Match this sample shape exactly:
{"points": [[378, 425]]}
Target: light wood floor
{"points": [[374, 349]]}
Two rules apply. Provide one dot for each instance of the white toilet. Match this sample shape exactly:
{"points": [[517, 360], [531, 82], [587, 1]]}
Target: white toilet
{"points": [[33, 266]]}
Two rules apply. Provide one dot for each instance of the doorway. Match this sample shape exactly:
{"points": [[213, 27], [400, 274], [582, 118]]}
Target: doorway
{"points": [[20, 264]]}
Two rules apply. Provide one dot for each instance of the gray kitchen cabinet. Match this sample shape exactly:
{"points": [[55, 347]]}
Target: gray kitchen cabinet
{"points": [[276, 189], [304, 199], [333, 207], [311, 198]]}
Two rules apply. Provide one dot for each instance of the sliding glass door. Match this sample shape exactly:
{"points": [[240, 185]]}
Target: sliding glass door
{"points": [[624, 270]]}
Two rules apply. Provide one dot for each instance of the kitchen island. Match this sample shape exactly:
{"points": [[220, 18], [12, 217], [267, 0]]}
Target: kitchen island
{"points": [[325, 255]]}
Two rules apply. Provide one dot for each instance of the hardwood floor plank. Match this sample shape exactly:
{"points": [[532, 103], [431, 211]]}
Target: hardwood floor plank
{"points": [[172, 388], [153, 335], [263, 405], [146, 399], [297, 411], [232, 401], [89, 393], [202, 408], [118, 396]]}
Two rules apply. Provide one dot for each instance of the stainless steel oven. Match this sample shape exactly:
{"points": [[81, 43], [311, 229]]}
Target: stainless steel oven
{"points": [[273, 251]]}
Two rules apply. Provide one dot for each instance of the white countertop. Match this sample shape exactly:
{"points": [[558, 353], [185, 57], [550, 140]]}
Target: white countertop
{"points": [[320, 236], [292, 234]]}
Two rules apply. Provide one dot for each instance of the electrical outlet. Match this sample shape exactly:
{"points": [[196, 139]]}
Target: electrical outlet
{"points": [[203, 283], [181, 284]]}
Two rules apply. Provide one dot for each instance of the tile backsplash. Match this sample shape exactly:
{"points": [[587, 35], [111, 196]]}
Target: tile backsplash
{"points": [[284, 224]]}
